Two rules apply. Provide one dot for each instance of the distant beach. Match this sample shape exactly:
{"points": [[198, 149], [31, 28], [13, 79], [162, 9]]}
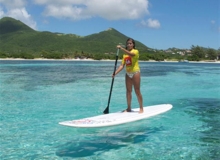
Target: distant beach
{"points": [[89, 59]]}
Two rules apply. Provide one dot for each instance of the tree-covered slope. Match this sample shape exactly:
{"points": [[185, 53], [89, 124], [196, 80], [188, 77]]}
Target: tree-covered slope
{"points": [[16, 37]]}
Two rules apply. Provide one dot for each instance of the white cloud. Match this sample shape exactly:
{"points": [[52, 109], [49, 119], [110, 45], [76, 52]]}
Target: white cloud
{"points": [[60, 2], [75, 9], [13, 3], [22, 15], [1, 12], [74, 13], [16, 9], [151, 23], [212, 22], [82, 9], [118, 9], [214, 26]]}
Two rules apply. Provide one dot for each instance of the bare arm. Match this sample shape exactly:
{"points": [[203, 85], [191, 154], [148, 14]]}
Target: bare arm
{"points": [[125, 50], [118, 70]]}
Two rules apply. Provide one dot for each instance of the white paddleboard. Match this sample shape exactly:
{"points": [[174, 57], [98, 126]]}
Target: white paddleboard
{"points": [[117, 118]]}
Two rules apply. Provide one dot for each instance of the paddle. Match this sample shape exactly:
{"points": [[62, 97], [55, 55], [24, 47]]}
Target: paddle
{"points": [[106, 111]]}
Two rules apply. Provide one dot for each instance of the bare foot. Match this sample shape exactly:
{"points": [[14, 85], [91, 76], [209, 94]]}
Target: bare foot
{"points": [[127, 110], [141, 110]]}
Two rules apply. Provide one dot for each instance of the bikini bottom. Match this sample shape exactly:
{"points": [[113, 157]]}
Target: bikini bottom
{"points": [[132, 74]]}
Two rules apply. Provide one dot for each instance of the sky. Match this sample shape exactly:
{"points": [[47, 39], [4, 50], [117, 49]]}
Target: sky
{"points": [[158, 24]]}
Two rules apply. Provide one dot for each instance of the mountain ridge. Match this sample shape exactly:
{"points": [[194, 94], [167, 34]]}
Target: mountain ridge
{"points": [[18, 37]]}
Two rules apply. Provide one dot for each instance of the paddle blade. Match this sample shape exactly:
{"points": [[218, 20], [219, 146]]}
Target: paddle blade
{"points": [[106, 111]]}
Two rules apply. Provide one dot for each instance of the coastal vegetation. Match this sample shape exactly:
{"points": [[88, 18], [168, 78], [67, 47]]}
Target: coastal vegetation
{"points": [[17, 40]]}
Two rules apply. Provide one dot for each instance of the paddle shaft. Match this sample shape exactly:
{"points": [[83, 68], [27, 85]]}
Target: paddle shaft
{"points": [[106, 111]]}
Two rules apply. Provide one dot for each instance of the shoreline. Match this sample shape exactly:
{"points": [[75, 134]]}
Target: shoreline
{"points": [[45, 59]]}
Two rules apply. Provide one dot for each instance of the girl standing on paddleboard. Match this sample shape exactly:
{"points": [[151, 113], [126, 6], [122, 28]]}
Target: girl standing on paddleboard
{"points": [[132, 76]]}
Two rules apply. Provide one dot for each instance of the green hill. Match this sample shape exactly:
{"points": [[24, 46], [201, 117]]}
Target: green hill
{"points": [[16, 37], [10, 25]]}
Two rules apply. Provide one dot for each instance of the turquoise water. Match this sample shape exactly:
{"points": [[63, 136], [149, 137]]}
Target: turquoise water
{"points": [[36, 95]]}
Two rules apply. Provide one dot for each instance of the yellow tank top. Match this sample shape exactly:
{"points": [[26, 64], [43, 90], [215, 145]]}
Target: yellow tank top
{"points": [[131, 62]]}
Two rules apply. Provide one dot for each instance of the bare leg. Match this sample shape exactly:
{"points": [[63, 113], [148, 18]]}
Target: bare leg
{"points": [[128, 82], [136, 82]]}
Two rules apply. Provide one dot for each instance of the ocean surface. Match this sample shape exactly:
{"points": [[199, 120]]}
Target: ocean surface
{"points": [[35, 95]]}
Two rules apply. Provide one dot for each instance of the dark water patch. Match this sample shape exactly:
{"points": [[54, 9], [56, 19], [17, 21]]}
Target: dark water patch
{"points": [[86, 148], [31, 74], [95, 144], [191, 73], [161, 69], [208, 111]]}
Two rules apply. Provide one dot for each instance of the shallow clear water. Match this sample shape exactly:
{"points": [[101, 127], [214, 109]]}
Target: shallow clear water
{"points": [[36, 95]]}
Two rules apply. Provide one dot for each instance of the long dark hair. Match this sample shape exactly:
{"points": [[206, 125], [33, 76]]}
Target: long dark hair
{"points": [[130, 39]]}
